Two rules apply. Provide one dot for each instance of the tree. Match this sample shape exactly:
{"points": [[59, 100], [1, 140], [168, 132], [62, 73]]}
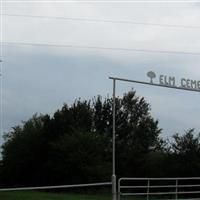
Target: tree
{"points": [[185, 154], [137, 133], [186, 144], [80, 158], [25, 152], [75, 144]]}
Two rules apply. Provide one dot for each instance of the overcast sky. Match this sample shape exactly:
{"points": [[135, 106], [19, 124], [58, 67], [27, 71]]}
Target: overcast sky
{"points": [[40, 79]]}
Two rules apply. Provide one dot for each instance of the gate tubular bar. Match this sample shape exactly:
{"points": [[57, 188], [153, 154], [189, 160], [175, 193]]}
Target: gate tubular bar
{"points": [[148, 186]]}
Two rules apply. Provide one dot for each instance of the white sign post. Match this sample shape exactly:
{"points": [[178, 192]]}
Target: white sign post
{"points": [[162, 81]]}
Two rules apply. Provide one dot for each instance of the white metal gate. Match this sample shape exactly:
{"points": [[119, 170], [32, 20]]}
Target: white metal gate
{"points": [[167, 188]]}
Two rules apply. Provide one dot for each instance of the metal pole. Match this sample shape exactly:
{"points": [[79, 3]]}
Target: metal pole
{"points": [[114, 189], [119, 190], [176, 189], [148, 186]]}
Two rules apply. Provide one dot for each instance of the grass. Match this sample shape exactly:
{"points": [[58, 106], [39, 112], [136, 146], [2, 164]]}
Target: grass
{"points": [[34, 195], [50, 196], [30, 195]]}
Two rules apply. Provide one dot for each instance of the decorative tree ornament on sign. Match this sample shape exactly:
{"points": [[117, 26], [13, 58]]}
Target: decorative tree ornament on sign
{"points": [[171, 81]]}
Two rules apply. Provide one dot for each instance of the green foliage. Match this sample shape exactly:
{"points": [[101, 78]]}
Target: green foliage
{"points": [[185, 154], [25, 152], [187, 144], [80, 158], [75, 145]]}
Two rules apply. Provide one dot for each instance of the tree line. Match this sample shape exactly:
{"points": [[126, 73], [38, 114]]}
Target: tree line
{"points": [[75, 145]]}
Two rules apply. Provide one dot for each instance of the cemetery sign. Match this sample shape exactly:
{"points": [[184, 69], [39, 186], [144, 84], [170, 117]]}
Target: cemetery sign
{"points": [[171, 81]]}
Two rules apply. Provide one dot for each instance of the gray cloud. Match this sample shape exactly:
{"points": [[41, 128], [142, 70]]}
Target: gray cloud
{"points": [[41, 79]]}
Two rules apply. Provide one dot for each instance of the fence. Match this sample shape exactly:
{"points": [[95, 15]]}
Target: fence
{"points": [[56, 187], [76, 191], [169, 188]]}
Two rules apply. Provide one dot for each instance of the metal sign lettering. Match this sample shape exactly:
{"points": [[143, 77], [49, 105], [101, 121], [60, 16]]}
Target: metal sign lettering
{"points": [[171, 81]]}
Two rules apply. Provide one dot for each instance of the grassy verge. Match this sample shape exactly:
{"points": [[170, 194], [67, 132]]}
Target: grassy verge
{"points": [[50, 196], [30, 195]]}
